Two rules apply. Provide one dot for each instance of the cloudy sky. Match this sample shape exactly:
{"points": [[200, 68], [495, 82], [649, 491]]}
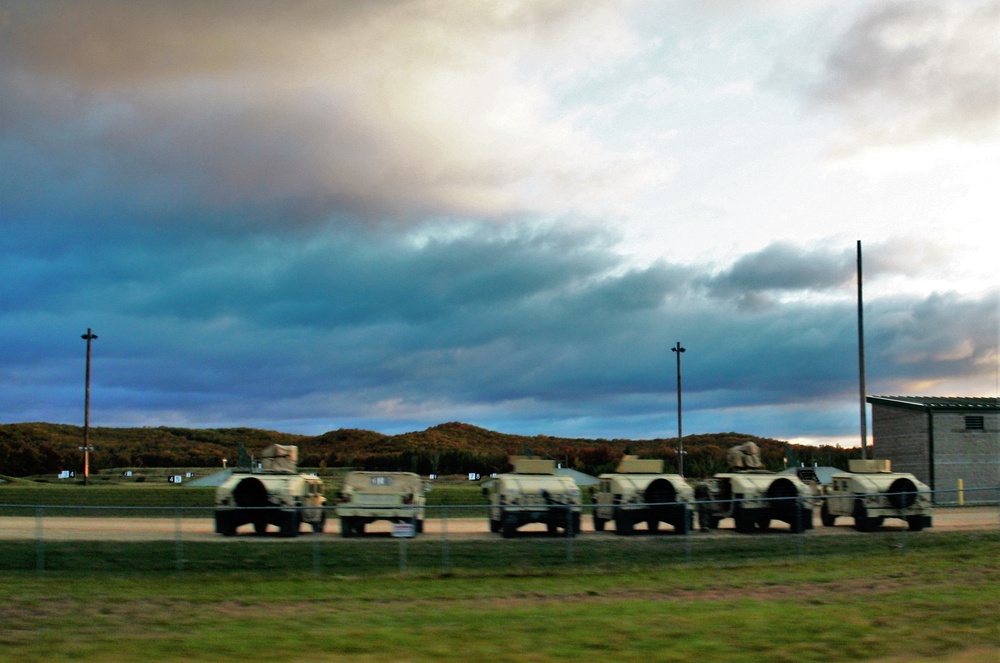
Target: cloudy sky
{"points": [[304, 216]]}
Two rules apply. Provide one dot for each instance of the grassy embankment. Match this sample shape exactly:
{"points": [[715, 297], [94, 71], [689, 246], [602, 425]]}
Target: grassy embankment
{"points": [[939, 601]]}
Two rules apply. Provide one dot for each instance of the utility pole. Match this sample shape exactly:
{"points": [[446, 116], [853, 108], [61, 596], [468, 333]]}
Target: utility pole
{"points": [[861, 360], [680, 429], [89, 337]]}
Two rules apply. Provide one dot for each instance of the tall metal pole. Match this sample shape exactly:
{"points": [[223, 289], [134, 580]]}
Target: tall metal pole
{"points": [[680, 429], [861, 360], [89, 337]]}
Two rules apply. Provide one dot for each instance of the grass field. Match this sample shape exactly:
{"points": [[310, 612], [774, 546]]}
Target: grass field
{"points": [[938, 601]]}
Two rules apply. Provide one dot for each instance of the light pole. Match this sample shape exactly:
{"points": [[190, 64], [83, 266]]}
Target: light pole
{"points": [[89, 337], [680, 430]]}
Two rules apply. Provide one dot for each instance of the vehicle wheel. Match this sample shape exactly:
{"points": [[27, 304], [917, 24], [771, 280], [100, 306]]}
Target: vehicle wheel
{"points": [[623, 524], [290, 527], [346, 527], [260, 527], [826, 517], [319, 525], [744, 521], [862, 522], [509, 527], [685, 524], [599, 524], [707, 521]]}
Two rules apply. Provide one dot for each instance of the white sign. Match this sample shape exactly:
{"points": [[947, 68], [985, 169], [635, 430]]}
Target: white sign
{"points": [[403, 530]]}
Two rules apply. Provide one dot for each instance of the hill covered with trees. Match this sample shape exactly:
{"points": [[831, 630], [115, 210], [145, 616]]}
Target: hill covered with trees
{"points": [[451, 448]]}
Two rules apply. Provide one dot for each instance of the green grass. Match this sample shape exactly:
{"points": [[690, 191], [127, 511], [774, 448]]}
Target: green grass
{"points": [[939, 601]]}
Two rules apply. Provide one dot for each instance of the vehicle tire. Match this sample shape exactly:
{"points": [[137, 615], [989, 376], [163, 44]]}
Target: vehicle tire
{"points": [[685, 524], [828, 519], [599, 524], [763, 522], [320, 524], [346, 526], [862, 522], [744, 521], [224, 526], [291, 525], [509, 527], [623, 524]]}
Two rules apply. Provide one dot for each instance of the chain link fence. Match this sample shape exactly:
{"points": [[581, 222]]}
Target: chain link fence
{"points": [[454, 539]]}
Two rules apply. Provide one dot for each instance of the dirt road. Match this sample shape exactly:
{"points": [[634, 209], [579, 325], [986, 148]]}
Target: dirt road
{"points": [[58, 528]]}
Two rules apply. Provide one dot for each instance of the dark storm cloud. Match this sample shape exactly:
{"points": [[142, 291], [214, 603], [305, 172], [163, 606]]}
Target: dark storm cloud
{"points": [[913, 71], [546, 325]]}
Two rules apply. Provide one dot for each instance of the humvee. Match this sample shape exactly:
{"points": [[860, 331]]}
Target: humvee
{"points": [[870, 492], [533, 493], [639, 492], [275, 495], [752, 496], [369, 496]]}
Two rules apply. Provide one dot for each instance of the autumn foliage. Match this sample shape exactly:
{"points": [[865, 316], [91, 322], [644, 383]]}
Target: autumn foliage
{"points": [[451, 448]]}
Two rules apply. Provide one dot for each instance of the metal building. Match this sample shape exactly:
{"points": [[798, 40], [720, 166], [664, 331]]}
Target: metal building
{"points": [[946, 442]]}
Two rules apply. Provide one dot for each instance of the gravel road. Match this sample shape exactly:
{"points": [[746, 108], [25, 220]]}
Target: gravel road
{"points": [[59, 528]]}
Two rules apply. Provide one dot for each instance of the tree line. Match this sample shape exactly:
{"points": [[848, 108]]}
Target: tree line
{"points": [[451, 448]]}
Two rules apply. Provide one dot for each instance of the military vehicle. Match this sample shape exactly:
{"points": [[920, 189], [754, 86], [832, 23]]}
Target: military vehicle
{"points": [[752, 496], [639, 492], [273, 494], [398, 497], [871, 492], [533, 493]]}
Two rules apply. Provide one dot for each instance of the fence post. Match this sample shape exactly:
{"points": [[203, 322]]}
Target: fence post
{"points": [[569, 534], [445, 558], [179, 541], [402, 554], [317, 531], [39, 540]]}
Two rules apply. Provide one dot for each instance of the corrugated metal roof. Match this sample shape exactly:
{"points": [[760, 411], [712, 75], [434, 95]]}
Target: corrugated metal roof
{"points": [[939, 402]]}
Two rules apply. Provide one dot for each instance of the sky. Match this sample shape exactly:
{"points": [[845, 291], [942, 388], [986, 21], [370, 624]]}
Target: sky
{"points": [[305, 216]]}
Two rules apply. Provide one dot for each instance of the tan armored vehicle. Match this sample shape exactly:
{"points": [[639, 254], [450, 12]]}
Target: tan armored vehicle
{"points": [[871, 492], [533, 493], [639, 492], [275, 495], [369, 496], [752, 496]]}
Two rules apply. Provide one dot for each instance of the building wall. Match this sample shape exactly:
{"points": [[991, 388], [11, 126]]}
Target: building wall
{"points": [[970, 455], [902, 436], [906, 436]]}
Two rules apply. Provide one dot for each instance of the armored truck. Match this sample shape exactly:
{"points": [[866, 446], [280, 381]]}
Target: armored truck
{"points": [[533, 493], [639, 492], [752, 496], [398, 497], [273, 494], [871, 492]]}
